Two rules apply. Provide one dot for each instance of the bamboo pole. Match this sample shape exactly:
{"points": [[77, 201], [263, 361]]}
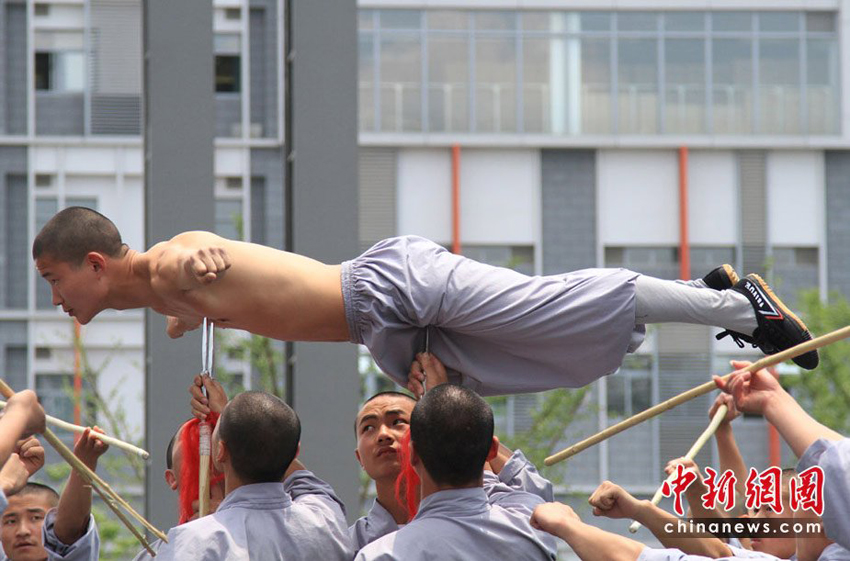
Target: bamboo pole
{"points": [[91, 478], [111, 440], [702, 389], [692, 453]]}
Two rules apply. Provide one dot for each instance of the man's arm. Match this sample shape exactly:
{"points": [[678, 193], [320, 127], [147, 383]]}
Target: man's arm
{"points": [[22, 417], [760, 392], [727, 449], [588, 542], [613, 501], [514, 470], [25, 461], [74, 513]]}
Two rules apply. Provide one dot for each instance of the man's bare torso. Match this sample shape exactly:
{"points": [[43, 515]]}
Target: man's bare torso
{"points": [[265, 291]]}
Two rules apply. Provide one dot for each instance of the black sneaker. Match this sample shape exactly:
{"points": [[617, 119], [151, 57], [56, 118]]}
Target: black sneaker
{"points": [[778, 327], [721, 278]]}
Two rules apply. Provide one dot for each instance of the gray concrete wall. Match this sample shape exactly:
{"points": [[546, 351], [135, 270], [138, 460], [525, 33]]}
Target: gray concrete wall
{"points": [[14, 245], [837, 222], [14, 77], [179, 155]]}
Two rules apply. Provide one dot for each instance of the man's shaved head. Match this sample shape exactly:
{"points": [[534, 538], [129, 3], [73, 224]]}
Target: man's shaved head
{"points": [[261, 433]]}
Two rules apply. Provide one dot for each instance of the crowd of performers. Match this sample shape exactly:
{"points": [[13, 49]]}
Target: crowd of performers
{"points": [[446, 488], [455, 493]]}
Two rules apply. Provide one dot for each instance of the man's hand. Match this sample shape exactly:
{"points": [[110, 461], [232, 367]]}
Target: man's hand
{"points": [[31, 454], [426, 368], [176, 327], [25, 404], [14, 475], [612, 501], [89, 448], [752, 392], [206, 265], [731, 410], [201, 405], [554, 518], [686, 463]]}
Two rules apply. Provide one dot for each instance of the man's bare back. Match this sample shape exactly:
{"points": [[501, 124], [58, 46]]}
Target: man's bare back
{"points": [[244, 286]]}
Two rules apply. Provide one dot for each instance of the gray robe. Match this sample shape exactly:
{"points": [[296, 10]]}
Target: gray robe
{"points": [[468, 524], [834, 458], [517, 473], [299, 519]]}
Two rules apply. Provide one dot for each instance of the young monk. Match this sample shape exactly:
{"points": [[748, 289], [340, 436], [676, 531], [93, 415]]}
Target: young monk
{"points": [[496, 330]]}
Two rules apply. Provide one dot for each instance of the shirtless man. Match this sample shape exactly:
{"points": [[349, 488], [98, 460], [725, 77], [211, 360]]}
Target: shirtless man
{"points": [[504, 331]]}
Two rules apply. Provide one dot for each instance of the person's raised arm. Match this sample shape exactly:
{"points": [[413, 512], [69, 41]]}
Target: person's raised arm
{"points": [[760, 392], [22, 417], [426, 369], [612, 501], [727, 448], [74, 512], [25, 461], [214, 401], [588, 542]]}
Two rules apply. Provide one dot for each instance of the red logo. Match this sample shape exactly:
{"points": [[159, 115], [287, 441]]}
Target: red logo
{"points": [[680, 483], [807, 490], [764, 489], [720, 489]]}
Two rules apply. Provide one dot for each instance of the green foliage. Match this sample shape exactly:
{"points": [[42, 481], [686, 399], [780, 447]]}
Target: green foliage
{"points": [[825, 393], [549, 424]]}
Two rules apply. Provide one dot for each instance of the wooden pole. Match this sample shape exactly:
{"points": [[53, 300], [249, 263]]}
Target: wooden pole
{"points": [[692, 453], [703, 389], [111, 440], [90, 477]]}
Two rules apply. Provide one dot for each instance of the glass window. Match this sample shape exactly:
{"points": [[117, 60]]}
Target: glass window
{"points": [[451, 20], [495, 84], [733, 77], [779, 86], [365, 19], [820, 22], [227, 74], [366, 81], [400, 19], [684, 21], [595, 92], [537, 21], [227, 44], [448, 20], [495, 21], [630, 389], [595, 21], [401, 82], [517, 257], [43, 72], [55, 393], [45, 208], [637, 21], [448, 86], [228, 219], [60, 71], [684, 72], [779, 21], [822, 86], [637, 96], [544, 80], [726, 22]]}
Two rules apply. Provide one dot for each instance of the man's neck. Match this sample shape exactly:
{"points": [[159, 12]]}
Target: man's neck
{"points": [[386, 498], [231, 481], [130, 285], [429, 486]]}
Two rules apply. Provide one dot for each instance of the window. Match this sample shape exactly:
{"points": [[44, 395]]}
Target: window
{"points": [[43, 180], [232, 13], [517, 257], [228, 219], [62, 71], [630, 389], [227, 74], [41, 10]]}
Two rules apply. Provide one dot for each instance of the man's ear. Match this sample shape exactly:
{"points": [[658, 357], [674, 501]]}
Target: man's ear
{"points": [[171, 479], [297, 450], [494, 449], [357, 455], [96, 261], [221, 452]]}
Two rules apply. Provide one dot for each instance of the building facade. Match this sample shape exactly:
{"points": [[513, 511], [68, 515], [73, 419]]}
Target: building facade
{"points": [[546, 136]]}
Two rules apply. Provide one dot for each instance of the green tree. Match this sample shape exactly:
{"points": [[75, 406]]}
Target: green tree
{"points": [[825, 393]]}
